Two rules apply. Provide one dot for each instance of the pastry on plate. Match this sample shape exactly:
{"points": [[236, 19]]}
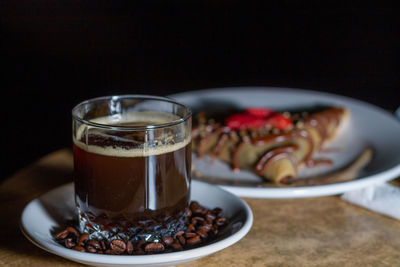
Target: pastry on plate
{"points": [[272, 144]]}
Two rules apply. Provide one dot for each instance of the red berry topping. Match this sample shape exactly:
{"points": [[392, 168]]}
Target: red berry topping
{"points": [[256, 118], [279, 121]]}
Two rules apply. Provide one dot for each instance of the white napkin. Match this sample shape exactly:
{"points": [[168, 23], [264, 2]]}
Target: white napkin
{"points": [[382, 198]]}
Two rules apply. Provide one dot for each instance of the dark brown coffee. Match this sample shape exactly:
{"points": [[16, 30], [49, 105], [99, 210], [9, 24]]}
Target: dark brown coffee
{"points": [[119, 183]]}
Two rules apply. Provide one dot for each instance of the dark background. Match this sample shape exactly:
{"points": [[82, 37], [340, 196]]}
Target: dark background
{"points": [[54, 54]]}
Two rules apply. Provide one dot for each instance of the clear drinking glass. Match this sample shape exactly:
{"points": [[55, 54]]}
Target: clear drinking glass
{"points": [[132, 165]]}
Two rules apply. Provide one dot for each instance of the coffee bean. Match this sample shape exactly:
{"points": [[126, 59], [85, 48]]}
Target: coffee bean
{"points": [[182, 240], [79, 248], [168, 240], [140, 243], [220, 221], [193, 205], [63, 234], [205, 228], [138, 251], [190, 235], [197, 219], [189, 213], [202, 234], [103, 245], [191, 227], [129, 247], [217, 211], [69, 243], [154, 247], [196, 208], [176, 246], [194, 240], [210, 217], [118, 246], [91, 249], [178, 234], [94, 243], [73, 231], [82, 239]]}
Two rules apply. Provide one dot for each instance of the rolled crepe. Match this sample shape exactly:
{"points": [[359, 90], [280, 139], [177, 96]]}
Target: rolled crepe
{"points": [[274, 156]]}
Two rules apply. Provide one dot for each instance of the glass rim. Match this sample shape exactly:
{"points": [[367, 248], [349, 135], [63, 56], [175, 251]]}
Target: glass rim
{"points": [[76, 117]]}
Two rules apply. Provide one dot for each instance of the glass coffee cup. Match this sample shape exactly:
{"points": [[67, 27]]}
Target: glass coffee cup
{"points": [[132, 166]]}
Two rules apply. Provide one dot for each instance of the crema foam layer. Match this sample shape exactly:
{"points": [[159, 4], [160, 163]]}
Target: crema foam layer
{"points": [[133, 119]]}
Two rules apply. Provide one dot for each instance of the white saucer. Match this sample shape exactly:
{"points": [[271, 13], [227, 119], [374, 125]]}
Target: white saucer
{"points": [[50, 210]]}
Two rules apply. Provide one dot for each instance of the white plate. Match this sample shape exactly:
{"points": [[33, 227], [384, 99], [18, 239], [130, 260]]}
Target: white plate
{"points": [[52, 209], [368, 126]]}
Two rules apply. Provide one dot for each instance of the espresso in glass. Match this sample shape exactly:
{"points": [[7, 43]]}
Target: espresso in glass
{"points": [[132, 165]]}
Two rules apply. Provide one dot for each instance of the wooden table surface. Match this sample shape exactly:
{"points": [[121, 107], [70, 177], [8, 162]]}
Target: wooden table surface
{"points": [[291, 232]]}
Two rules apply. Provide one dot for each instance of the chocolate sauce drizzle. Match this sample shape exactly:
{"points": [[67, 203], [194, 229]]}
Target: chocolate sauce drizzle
{"points": [[276, 154]]}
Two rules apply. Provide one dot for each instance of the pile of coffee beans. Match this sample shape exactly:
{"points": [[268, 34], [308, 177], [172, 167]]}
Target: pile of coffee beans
{"points": [[202, 225]]}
